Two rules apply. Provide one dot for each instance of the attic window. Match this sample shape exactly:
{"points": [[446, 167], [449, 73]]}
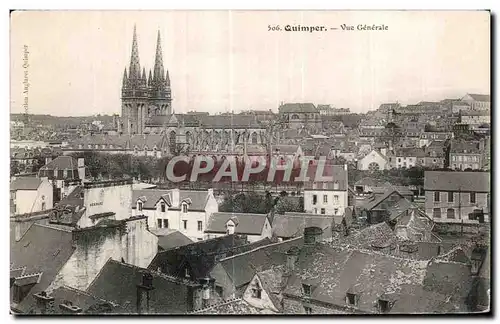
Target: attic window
{"points": [[162, 205], [352, 299], [184, 208], [306, 290], [257, 291], [187, 273], [139, 206]]}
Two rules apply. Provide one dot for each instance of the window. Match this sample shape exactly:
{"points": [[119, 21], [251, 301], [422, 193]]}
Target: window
{"points": [[308, 310], [219, 290], [436, 213], [159, 223], [200, 226], [336, 211], [325, 199], [162, 205], [185, 222], [315, 210], [384, 306], [322, 211], [165, 223], [315, 199], [306, 290], [257, 291], [472, 197], [184, 208], [43, 205], [450, 196], [139, 206], [351, 299], [450, 213], [436, 196]]}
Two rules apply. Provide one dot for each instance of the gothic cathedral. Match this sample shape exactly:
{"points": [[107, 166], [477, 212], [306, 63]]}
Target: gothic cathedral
{"points": [[144, 97]]}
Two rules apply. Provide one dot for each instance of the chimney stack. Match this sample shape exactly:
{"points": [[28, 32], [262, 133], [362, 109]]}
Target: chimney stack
{"points": [[67, 307], [291, 257], [312, 235], [175, 197], [143, 293], [207, 285], [44, 303], [81, 169]]}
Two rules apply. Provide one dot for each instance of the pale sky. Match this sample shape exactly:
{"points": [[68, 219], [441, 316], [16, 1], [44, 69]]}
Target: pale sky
{"points": [[229, 61]]}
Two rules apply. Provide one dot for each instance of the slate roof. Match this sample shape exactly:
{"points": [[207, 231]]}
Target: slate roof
{"points": [[200, 257], [62, 162], [150, 198], [25, 183], [467, 147], [42, 249], [242, 267], [379, 199], [117, 282], [455, 181], [442, 286], [88, 303], [293, 224], [248, 224], [298, 108], [409, 152], [272, 281], [480, 97], [172, 240], [338, 172], [229, 121]]}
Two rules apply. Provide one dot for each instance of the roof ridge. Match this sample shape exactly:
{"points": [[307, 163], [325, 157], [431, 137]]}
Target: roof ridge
{"points": [[52, 227], [260, 247]]}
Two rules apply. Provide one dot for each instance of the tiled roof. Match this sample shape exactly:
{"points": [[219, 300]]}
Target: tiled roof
{"points": [[457, 181], [117, 282], [409, 152], [272, 282], [41, 249], [468, 147], [298, 108], [293, 224], [25, 183], [248, 224], [333, 272], [378, 199], [231, 307]]}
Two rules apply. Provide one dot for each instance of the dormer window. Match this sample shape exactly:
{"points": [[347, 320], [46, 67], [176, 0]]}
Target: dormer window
{"points": [[184, 208], [336, 185], [187, 273], [257, 291], [162, 207], [139, 206], [351, 299], [306, 290]]}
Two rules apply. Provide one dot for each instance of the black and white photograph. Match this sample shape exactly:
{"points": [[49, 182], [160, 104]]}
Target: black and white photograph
{"points": [[244, 162]]}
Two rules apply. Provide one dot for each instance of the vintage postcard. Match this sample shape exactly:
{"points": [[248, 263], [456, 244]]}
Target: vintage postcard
{"points": [[250, 162]]}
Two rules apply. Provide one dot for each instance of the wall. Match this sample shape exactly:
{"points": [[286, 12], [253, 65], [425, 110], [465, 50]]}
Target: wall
{"points": [[134, 243], [224, 280], [330, 205], [117, 199], [460, 203]]}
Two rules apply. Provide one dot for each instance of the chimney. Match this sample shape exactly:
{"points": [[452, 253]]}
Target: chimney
{"points": [[312, 235], [175, 197], [44, 303], [67, 307], [207, 285], [291, 257], [143, 293], [81, 169]]}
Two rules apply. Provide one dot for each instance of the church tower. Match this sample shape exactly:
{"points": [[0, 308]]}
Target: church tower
{"points": [[160, 95], [134, 94]]}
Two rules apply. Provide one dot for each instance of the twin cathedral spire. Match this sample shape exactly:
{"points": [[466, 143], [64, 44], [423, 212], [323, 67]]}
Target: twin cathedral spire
{"points": [[144, 97]]}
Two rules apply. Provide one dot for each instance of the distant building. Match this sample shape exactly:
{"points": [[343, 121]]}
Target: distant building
{"points": [[466, 155], [374, 161], [475, 117], [298, 115], [456, 197], [327, 110], [427, 137], [478, 101], [255, 226]]}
